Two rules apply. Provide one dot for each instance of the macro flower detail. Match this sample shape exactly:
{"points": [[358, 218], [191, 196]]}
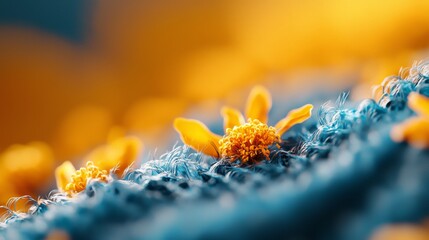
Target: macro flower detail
{"points": [[415, 130], [72, 182], [247, 142], [115, 156]]}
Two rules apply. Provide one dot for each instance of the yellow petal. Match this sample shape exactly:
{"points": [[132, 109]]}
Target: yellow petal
{"points": [[419, 104], [197, 136], [119, 153], [63, 174], [231, 117], [294, 117], [258, 104], [415, 131]]}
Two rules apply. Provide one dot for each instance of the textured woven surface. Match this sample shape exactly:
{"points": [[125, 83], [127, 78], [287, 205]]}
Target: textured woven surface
{"points": [[339, 176]]}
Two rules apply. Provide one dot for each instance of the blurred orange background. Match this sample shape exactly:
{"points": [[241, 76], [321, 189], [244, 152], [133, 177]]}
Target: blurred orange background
{"points": [[138, 64]]}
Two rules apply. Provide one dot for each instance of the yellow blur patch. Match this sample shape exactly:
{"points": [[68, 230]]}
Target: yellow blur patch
{"points": [[26, 169], [419, 104], [402, 232], [82, 129], [58, 235], [415, 131]]}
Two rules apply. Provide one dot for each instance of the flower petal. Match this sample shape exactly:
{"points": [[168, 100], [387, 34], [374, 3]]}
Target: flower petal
{"points": [[63, 174], [258, 104], [119, 153], [231, 117], [415, 131], [294, 117], [419, 104], [197, 136]]}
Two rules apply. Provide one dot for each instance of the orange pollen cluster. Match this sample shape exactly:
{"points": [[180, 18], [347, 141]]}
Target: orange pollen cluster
{"points": [[83, 175], [248, 142]]}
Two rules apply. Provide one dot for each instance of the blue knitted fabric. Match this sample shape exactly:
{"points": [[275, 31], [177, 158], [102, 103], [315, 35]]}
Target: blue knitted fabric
{"points": [[338, 176]]}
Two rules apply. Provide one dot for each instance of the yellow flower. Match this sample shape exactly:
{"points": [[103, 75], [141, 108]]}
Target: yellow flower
{"points": [[72, 182], [415, 130], [245, 141], [116, 155]]}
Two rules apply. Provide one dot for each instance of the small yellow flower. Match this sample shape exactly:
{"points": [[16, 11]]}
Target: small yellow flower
{"points": [[248, 141], [415, 130], [245, 141], [117, 155], [72, 182]]}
